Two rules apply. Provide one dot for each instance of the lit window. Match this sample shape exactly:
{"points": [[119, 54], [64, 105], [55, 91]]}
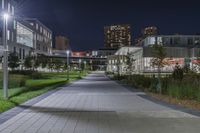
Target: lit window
{"points": [[40, 29], [24, 35], [12, 35], [36, 26]]}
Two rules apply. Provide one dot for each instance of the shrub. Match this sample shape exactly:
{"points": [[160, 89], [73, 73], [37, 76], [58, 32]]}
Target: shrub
{"points": [[22, 83], [23, 72], [178, 73], [36, 75], [178, 85]]}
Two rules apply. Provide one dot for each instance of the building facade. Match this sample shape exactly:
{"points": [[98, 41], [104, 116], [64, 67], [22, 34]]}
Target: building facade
{"points": [[20, 34], [23, 36], [43, 37], [117, 36], [172, 40], [184, 53], [149, 31], [61, 43], [101, 64]]}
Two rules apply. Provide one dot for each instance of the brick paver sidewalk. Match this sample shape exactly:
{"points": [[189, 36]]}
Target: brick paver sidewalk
{"points": [[98, 105]]}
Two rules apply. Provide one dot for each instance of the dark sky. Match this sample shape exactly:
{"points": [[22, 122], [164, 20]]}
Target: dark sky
{"points": [[83, 20]]}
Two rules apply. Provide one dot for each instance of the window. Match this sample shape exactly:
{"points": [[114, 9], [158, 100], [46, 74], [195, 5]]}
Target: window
{"points": [[24, 35], [8, 35], [171, 41], [36, 26], [177, 40], [190, 41], [12, 37], [40, 29], [20, 53], [14, 49], [23, 53], [197, 41], [38, 46]]}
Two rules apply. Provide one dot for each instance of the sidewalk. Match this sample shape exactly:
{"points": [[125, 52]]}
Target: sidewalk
{"points": [[96, 104]]}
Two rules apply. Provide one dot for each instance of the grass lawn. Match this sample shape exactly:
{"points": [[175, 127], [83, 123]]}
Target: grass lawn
{"points": [[23, 88]]}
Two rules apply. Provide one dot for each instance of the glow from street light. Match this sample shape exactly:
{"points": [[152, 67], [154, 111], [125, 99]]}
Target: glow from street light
{"points": [[6, 16], [67, 52]]}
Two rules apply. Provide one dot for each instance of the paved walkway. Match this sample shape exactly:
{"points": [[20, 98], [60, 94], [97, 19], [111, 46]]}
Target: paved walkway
{"points": [[99, 105]]}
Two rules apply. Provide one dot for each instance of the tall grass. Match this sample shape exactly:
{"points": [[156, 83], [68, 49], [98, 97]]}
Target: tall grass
{"points": [[187, 88]]}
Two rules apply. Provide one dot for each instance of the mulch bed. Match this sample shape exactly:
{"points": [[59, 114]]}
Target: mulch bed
{"points": [[185, 103]]}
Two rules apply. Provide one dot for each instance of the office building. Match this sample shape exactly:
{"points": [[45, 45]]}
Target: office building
{"points": [[43, 37], [20, 34], [25, 36], [171, 40], [149, 31], [117, 36]]}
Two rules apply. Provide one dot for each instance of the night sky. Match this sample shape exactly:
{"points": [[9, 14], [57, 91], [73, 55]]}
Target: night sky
{"points": [[83, 21]]}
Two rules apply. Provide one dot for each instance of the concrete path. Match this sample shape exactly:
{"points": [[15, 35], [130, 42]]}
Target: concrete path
{"points": [[99, 105]]}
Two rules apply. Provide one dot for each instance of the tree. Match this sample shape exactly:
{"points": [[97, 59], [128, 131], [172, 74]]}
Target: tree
{"points": [[197, 63], [28, 62], [157, 61], [36, 62], [65, 66], [178, 73], [13, 61], [83, 65], [43, 61], [57, 64], [50, 64], [130, 62]]}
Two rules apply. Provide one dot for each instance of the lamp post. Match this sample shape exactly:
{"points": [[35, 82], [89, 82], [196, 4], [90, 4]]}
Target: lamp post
{"points": [[79, 67], [68, 52], [5, 56]]}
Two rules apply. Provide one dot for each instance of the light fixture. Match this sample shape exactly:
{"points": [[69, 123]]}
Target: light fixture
{"points": [[67, 51], [6, 16]]}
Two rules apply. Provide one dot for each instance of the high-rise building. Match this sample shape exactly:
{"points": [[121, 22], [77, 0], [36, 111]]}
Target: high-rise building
{"points": [[148, 31], [62, 43], [117, 36]]}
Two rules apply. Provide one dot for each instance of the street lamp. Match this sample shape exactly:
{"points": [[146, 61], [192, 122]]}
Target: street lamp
{"points": [[68, 52], [5, 55], [80, 67]]}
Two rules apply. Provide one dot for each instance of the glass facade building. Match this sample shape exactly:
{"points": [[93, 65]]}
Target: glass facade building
{"points": [[24, 35]]}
